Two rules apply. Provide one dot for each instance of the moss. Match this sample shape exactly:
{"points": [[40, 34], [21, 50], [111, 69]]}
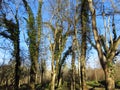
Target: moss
{"points": [[24, 87], [93, 84], [117, 84]]}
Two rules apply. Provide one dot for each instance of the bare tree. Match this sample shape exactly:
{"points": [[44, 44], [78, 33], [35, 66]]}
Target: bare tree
{"points": [[106, 53], [12, 33], [34, 34], [60, 32]]}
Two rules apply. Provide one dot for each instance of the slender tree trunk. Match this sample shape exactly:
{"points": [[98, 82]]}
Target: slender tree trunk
{"points": [[60, 81], [83, 75], [73, 72], [42, 78], [53, 81], [79, 74], [96, 80], [84, 21], [42, 72], [57, 71], [53, 74], [33, 72], [17, 65], [59, 77], [73, 64], [16, 42]]}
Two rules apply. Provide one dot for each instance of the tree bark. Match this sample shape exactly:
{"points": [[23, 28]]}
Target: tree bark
{"points": [[73, 71], [84, 21], [59, 76], [73, 65], [53, 73], [43, 70], [18, 62], [33, 72], [109, 78], [34, 39]]}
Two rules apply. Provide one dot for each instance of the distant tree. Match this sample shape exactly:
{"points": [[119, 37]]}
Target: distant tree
{"points": [[7, 75]]}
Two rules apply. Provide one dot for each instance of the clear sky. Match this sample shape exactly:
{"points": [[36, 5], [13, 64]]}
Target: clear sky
{"points": [[47, 16]]}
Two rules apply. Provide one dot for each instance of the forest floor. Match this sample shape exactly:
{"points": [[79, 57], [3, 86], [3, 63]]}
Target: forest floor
{"points": [[92, 85]]}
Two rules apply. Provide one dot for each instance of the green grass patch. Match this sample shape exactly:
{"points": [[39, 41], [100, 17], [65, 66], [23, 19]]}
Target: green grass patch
{"points": [[93, 84]]}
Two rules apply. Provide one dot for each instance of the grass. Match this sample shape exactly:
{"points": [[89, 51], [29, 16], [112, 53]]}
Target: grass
{"points": [[93, 84]]}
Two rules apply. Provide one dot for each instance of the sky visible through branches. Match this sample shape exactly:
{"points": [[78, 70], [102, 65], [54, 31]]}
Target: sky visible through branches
{"points": [[6, 45]]}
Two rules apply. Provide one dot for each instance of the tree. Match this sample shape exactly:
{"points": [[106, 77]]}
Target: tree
{"points": [[61, 63], [84, 30], [42, 70], [56, 49], [106, 53], [12, 33], [73, 64], [34, 35], [60, 31], [7, 75]]}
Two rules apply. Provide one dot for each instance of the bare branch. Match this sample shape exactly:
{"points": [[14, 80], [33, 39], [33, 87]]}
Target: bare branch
{"points": [[114, 31], [49, 25], [117, 53], [114, 48], [92, 44], [5, 35]]}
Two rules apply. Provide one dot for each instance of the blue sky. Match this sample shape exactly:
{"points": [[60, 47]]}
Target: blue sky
{"points": [[46, 16]]}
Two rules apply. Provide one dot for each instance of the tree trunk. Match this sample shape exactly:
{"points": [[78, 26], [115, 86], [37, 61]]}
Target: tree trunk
{"points": [[84, 21], [17, 65], [53, 73], [43, 70], [109, 78], [59, 77], [58, 73], [79, 74], [83, 75], [42, 76], [60, 81], [73, 67], [53, 81], [17, 54], [96, 79], [33, 72]]}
